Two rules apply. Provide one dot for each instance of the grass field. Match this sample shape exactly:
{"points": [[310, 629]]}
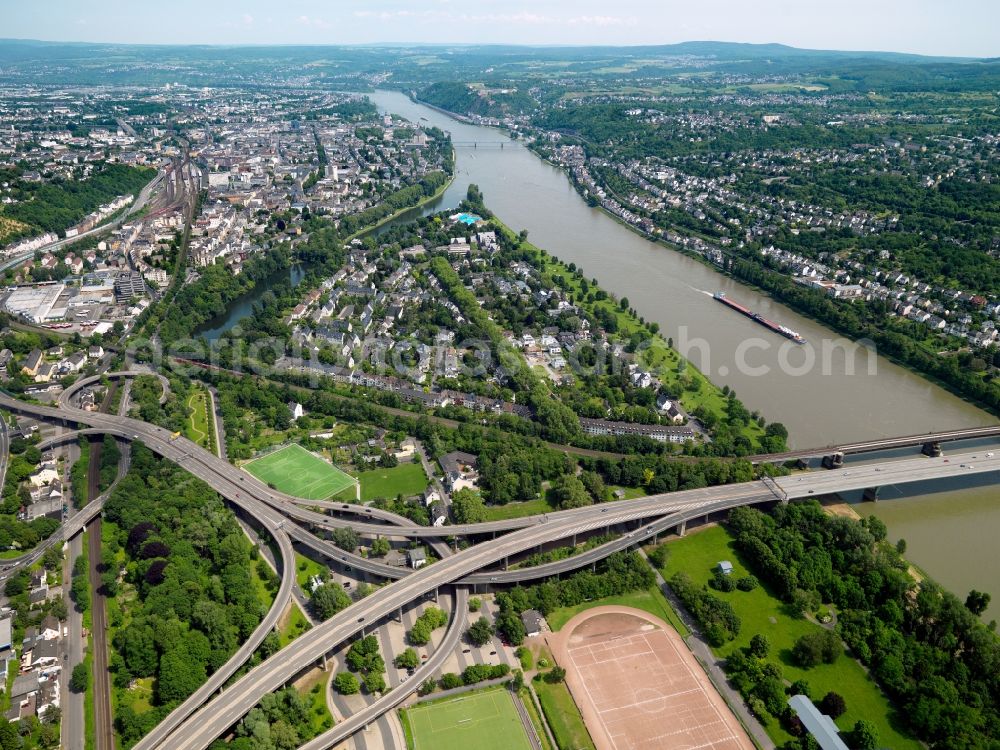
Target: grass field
{"points": [[563, 716], [484, 720], [651, 601], [760, 612], [405, 480], [298, 472], [199, 424]]}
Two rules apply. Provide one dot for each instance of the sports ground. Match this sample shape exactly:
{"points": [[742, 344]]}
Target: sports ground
{"points": [[638, 686], [485, 720], [296, 471]]}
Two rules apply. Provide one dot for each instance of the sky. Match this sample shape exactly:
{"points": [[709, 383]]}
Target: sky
{"points": [[933, 27]]}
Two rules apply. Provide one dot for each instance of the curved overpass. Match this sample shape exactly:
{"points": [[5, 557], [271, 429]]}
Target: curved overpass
{"points": [[66, 397], [214, 718], [675, 508]]}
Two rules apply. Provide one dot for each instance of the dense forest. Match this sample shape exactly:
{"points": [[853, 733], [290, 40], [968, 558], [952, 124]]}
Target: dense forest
{"points": [[927, 650], [56, 205], [186, 596]]}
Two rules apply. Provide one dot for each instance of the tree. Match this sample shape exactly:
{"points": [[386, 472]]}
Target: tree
{"points": [[977, 602], [374, 682], [346, 538], [468, 506], [833, 705], [427, 687], [760, 646], [328, 599], [450, 681], [80, 678], [815, 648], [380, 547], [864, 736], [624, 303], [556, 674], [346, 683], [475, 603], [567, 491], [659, 556], [408, 659], [480, 632], [363, 655]]}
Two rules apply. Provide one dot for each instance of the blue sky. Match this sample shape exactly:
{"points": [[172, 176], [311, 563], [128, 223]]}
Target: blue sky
{"points": [[945, 27]]}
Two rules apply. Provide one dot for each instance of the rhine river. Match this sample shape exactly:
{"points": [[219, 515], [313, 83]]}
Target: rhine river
{"points": [[950, 533]]}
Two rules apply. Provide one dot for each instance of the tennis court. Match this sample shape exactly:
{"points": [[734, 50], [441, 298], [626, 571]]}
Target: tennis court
{"points": [[296, 471], [485, 720]]}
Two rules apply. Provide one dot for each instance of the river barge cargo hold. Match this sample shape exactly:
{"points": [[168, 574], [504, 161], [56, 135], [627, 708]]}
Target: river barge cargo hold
{"points": [[781, 330]]}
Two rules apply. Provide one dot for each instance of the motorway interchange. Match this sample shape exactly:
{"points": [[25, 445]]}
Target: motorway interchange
{"points": [[207, 714]]}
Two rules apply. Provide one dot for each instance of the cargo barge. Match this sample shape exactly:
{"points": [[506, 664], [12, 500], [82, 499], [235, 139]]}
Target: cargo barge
{"points": [[781, 330]]}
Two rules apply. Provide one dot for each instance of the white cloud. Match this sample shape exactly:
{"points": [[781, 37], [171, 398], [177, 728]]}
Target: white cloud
{"points": [[601, 21], [247, 19], [316, 23]]}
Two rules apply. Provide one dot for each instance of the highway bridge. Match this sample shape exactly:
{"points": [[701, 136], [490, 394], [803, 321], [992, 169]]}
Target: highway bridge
{"points": [[881, 444], [189, 727]]}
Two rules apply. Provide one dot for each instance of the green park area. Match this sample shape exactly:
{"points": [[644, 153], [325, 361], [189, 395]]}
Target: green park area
{"points": [[198, 427], [485, 720], [405, 479], [562, 715], [296, 471], [761, 612]]}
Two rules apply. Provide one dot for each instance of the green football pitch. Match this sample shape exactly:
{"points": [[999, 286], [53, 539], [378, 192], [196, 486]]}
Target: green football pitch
{"points": [[296, 471], [484, 720]]}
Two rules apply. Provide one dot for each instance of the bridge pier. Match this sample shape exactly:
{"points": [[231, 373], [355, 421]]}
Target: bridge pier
{"points": [[871, 494], [682, 528], [833, 461], [932, 449]]}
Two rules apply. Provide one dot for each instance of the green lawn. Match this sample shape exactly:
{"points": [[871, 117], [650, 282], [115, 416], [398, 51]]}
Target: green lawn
{"points": [[306, 568], [534, 713], [760, 612], [563, 716], [313, 693], [199, 424], [651, 601], [295, 625], [405, 479], [518, 510], [298, 472], [484, 720]]}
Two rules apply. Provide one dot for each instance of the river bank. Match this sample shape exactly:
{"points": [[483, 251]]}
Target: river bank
{"points": [[822, 405]]}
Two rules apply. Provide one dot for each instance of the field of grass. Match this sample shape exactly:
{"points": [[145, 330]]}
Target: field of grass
{"points": [[198, 427], [312, 692], [298, 472], [651, 601], [485, 720], [761, 612], [294, 624], [405, 480], [518, 510], [306, 568], [563, 716]]}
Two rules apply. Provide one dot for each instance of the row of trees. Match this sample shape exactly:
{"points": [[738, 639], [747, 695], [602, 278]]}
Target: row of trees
{"points": [[617, 574]]}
